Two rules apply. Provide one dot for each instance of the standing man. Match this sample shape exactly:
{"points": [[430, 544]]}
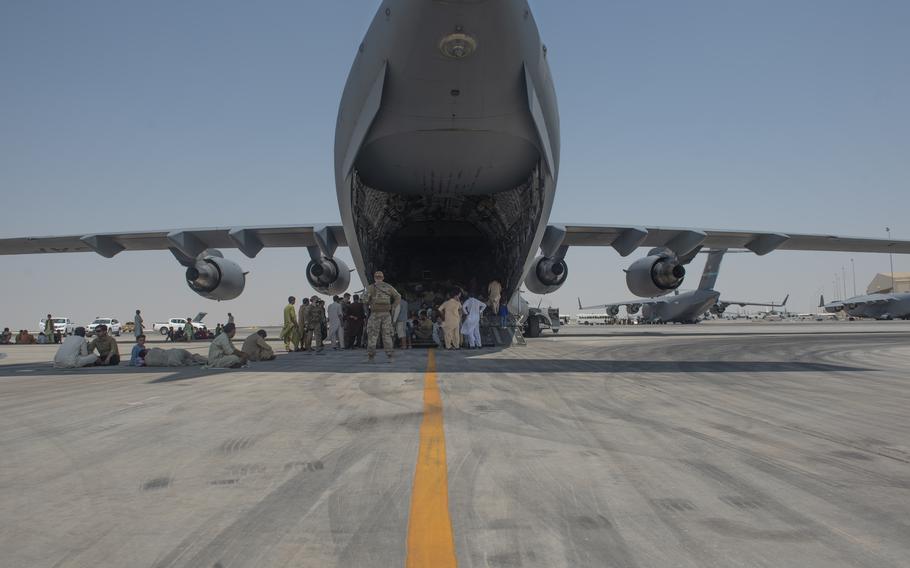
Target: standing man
{"points": [[188, 331], [354, 315], [108, 352], [230, 317], [494, 293], [301, 322], [290, 333], [401, 324], [471, 327], [336, 322], [381, 299], [314, 318], [138, 327], [450, 312], [49, 326]]}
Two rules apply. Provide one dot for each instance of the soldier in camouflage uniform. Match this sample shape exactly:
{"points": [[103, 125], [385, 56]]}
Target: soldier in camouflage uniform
{"points": [[314, 316], [381, 299]]}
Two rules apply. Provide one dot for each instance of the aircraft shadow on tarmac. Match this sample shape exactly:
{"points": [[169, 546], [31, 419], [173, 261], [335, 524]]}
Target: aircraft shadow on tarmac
{"points": [[415, 362]]}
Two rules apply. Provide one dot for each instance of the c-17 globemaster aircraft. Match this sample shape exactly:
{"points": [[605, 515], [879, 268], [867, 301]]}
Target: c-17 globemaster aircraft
{"points": [[447, 150], [684, 307], [875, 306]]}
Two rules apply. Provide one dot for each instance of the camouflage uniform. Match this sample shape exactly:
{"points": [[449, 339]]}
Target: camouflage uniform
{"points": [[313, 316], [382, 299]]}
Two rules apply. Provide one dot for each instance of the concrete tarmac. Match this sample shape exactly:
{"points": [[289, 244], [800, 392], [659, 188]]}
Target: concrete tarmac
{"points": [[686, 446]]}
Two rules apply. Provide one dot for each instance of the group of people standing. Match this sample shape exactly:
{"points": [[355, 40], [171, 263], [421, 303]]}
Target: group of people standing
{"points": [[342, 323], [382, 315]]}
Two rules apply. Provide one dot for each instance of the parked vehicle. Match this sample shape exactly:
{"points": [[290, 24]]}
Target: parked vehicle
{"points": [[113, 326], [178, 323], [64, 326]]}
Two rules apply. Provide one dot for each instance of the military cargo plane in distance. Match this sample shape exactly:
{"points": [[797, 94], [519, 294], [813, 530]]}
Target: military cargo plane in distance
{"points": [[447, 150], [683, 307], [875, 306]]}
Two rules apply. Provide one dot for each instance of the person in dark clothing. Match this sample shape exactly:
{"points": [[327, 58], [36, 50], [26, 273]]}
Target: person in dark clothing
{"points": [[354, 315]]}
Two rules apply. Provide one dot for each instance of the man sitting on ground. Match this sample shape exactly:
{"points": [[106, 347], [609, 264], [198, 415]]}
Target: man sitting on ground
{"points": [[137, 356], [25, 338], [74, 352], [223, 354], [256, 348], [108, 353], [6, 337]]}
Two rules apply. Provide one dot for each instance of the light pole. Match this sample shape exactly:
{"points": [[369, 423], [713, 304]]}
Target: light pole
{"points": [[853, 267], [843, 279], [890, 258]]}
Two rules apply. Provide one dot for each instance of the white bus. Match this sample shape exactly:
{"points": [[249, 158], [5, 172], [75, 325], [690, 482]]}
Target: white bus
{"points": [[594, 319]]}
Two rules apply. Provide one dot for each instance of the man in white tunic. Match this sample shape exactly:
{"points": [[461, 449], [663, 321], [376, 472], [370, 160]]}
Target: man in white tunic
{"points": [[336, 323], [472, 309], [138, 324], [222, 353], [74, 352], [494, 293]]}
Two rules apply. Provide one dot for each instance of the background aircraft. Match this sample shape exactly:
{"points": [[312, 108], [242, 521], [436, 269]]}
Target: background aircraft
{"points": [[684, 307], [877, 306]]}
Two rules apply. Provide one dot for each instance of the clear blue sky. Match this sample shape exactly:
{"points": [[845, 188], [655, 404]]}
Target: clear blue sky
{"points": [[775, 115]]}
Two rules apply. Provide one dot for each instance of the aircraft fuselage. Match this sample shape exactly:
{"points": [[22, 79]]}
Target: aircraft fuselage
{"points": [[447, 145], [686, 307]]}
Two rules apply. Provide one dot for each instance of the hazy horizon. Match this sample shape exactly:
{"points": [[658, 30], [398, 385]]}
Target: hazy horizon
{"points": [[773, 116]]}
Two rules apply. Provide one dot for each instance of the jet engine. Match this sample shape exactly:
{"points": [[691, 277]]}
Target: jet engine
{"points": [[613, 310], [214, 277], [547, 275], [632, 309], [718, 309], [329, 276], [656, 274]]}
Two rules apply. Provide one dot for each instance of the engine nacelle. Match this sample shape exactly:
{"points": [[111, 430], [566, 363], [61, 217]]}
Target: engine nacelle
{"points": [[632, 309], [216, 278], [613, 311], [718, 309], [547, 275], [655, 275], [329, 276]]}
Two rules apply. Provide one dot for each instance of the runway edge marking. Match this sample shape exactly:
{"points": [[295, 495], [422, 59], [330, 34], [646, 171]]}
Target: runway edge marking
{"points": [[430, 538]]}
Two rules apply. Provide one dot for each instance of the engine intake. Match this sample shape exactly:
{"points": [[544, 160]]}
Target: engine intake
{"points": [[656, 274], [547, 275], [216, 278], [329, 276], [613, 310]]}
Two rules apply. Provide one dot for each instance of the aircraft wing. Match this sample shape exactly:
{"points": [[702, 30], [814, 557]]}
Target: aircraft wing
{"points": [[625, 239], [639, 302], [189, 242], [726, 303]]}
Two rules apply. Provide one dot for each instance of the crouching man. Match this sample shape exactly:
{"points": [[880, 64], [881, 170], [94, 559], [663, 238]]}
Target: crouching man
{"points": [[108, 352], [74, 352], [223, 354], [256, 348]]}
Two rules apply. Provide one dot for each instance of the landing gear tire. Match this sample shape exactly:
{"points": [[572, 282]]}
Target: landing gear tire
{"points": [[163, 331], [533, 327]]}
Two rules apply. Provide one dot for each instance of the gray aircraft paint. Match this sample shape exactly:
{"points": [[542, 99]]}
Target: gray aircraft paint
{"points": [[687, 307], [875, 306], [434, 152]]}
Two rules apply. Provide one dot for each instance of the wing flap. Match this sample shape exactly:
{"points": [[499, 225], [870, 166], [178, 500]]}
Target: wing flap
{"points": [[109, 244], [761, 242]]}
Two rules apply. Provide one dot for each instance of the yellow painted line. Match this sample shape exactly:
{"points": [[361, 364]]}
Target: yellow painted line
{"points": [[430, 539]]}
